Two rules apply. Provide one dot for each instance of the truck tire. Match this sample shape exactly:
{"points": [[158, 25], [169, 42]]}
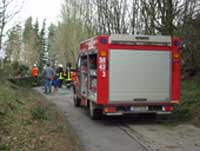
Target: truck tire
{"points": [[95, 113], [77, 100]]}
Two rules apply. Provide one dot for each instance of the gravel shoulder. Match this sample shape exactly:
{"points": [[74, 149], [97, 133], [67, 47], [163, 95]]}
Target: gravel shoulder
{"points": [[160, 137]]}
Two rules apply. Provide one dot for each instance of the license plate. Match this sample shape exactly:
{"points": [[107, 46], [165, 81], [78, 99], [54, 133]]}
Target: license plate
{"points": [[139, 108]]}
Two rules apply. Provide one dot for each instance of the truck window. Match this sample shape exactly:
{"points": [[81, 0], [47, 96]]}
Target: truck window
{"points": [[84, 75], [92, 75], [93, 61], [83, 64], [78, 65]]}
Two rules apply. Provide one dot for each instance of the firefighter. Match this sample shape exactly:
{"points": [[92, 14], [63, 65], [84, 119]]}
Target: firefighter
{"points": [[34, 74], [68, 75], [60, 74]]}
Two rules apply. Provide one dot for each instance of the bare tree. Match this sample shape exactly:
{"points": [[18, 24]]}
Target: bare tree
{"points": [[13, 46], [8, 10], [83, 19], [112, 16], [149, 16]]}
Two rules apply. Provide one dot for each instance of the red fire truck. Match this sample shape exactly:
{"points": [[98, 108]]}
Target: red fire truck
{"points": [[126, 74]]}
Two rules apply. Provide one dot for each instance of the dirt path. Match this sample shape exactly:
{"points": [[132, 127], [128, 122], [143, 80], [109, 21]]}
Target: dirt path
{"points": [[125, 133]]}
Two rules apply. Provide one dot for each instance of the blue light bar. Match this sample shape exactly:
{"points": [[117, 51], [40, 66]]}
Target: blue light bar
{"points": [[103, 40]]}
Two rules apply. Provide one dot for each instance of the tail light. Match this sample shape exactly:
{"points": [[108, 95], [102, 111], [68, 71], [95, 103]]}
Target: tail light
{"points": [[103, 53], [110, 109], [176, 56], [168, 108]]}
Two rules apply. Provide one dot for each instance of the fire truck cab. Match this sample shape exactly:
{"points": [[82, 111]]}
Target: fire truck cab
{"points": [[127, 74]]}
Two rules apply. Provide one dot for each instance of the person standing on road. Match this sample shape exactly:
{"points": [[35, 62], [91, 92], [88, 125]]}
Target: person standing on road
{"points": [[34, 74], [68, 75], [48, 74], [60, 73], [56, 80]]}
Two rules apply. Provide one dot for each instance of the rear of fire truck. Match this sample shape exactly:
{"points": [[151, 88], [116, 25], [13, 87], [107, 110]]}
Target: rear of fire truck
{"points": [[131, 75]]}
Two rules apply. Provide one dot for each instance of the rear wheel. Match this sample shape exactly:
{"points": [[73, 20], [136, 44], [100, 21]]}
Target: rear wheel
{"points": [[95, 113], [77, 100]]}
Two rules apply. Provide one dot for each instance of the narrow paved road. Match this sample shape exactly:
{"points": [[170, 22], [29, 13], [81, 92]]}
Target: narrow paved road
{"points": [[124, 133], [95, 135]]}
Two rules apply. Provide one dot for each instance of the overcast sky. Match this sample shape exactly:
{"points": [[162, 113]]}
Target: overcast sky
{"points": [[41, 9]]}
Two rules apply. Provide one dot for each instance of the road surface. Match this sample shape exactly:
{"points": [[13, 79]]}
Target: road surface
{"points": [[124, 133]]}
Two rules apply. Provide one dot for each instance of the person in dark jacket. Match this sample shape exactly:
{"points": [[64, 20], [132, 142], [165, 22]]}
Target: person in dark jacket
{"points": [[48, 74], [60, 74]]}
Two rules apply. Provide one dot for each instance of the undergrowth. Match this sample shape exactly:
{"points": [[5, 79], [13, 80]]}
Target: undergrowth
{"points": [[189, 108], [29, 123]]}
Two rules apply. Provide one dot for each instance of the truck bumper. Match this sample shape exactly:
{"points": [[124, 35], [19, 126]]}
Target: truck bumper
{"points": [[123, 110], [126, 113]]}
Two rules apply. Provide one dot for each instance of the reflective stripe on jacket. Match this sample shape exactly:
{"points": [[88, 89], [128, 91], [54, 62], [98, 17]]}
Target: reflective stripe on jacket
{"points": [[69, 76], [60, 76]]}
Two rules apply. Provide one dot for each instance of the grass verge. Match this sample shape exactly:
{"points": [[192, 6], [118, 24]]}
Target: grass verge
{"points": [[189, 108], [30, 123]]}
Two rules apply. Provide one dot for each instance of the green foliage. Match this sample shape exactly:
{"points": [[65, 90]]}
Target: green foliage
{"points": [[42, 46], [21, 68], [66, 40], [191, 53], [8, 99], [20, 132], [84, 19], [5, 147], [14, 43], [28, 81], [51, 42], [14, 69], [28, 30], [3, 109], [34, 43], [36, 29], [39, 113], [189, 108]]}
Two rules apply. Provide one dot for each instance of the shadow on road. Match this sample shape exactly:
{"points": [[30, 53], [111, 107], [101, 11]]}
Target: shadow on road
{"points": [[136, 119], [132, 119]]}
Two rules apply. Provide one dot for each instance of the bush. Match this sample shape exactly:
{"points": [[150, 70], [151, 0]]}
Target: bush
{"points": [[189, 108], [40, 113], [5, 147]]}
